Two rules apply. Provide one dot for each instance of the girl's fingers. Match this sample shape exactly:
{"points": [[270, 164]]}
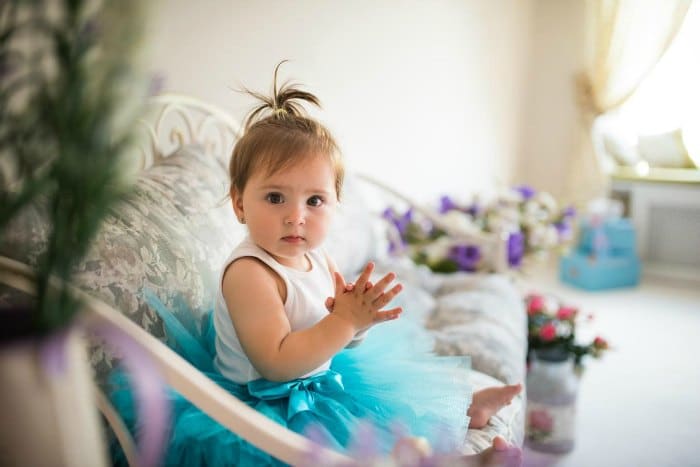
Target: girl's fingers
{"points": [[361, 281], [339, 283], [387, 315], [379, 287], [330, 302], [386, 297], [349, 287]]}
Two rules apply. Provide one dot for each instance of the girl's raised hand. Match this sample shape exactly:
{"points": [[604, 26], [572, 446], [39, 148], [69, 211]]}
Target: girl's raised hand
{"points": [[330, 301], [362, 305]]}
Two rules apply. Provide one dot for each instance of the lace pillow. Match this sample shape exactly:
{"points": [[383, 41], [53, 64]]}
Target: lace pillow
{"points": [[169, 237]]}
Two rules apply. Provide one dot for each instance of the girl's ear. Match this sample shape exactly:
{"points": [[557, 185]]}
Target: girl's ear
{"points": [[237, 202]]}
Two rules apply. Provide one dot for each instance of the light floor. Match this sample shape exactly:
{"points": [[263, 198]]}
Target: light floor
{"points": [[640, 404]]}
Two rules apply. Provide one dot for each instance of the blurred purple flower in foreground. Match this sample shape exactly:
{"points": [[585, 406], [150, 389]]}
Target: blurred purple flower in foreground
{"points": [[467, 257]]}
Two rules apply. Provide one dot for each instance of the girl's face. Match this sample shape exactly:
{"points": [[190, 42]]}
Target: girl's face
{"points": [[288, 213]]}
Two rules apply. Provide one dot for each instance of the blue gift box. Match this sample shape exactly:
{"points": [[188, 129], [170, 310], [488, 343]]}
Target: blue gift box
{"points": [[613, 237], [590, 272]]}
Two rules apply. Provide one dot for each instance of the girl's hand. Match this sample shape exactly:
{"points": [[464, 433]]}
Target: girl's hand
{"points": [[362, 306], [330, 301]]}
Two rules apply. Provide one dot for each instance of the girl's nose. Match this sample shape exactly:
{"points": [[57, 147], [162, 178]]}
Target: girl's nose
{"points": [[295, 216]]}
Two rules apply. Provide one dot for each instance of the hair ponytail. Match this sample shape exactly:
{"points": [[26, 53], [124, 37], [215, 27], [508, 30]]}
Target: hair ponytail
{"points": [[283, 103]]}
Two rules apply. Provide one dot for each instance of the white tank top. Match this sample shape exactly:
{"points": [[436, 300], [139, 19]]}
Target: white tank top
{"points": [[305, 306]]}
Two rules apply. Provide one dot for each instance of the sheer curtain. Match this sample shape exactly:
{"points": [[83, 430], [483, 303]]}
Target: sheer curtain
{"points": [[624, 41]]}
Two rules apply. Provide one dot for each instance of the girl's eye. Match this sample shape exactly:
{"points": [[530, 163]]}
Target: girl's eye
{"points": [[275, 198], [315, 201]]}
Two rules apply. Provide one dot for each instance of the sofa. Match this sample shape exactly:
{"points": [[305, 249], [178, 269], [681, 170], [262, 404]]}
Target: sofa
{"points": [[171, 234]]}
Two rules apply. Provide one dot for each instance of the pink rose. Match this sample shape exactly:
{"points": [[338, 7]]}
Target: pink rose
{"points": [[535, 304], [548, 332], [540, 420], [566, 313], [600, 343]]}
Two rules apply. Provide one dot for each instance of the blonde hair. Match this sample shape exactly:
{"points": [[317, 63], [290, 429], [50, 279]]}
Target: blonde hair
{"points": [[278, 133]]}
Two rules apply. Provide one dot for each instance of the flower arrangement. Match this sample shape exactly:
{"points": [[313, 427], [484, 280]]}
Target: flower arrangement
{"points": [[531, 222], [552, 326]]}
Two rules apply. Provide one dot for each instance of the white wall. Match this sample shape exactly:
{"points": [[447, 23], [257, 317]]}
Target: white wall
{"points": [[425, 95], [551, 118]]}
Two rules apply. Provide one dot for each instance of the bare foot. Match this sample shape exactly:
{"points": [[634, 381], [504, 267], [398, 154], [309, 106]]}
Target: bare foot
{"points": [[489, 401]]}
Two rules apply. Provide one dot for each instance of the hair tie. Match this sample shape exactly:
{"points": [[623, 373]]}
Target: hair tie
{"points": [[279, 111]]}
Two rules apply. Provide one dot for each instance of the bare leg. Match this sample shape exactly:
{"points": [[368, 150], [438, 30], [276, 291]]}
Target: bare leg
{"points": [[488, 401]]}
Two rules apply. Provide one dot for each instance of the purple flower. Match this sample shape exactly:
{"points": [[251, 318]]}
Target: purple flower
{"points": [[396, 245], [516, 248], [474, 209], [404, 221], [564, 229], [526, 191], [407, 216], [400, 222], [446, 204], [570, 212], [389, 214], [467, 257], [398, 239]]}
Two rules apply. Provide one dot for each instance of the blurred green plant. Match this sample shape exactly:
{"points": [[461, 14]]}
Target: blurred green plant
{"points": [[70, 95]]}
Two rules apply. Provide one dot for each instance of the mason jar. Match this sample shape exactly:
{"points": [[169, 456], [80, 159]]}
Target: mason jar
{"points": [[552, 386]]}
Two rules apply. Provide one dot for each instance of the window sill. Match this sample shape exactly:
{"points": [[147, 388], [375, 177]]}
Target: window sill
{"points": [[658, 174]]}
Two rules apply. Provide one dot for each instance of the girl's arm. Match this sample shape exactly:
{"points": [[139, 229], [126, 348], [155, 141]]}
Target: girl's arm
{"points": [[254, 298]]}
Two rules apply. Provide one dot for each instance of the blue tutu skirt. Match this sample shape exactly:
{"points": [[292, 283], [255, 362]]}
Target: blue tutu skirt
{"points": [[390, 386]]}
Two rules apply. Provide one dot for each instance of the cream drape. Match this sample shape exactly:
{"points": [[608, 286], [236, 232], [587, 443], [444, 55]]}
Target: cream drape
{"points": [[624, 41]]}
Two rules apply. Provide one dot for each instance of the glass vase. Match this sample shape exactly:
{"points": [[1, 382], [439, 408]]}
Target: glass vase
{"points": [[552, 387]]}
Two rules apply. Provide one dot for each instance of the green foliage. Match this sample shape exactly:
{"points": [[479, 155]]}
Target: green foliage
{"points": [[70, 94]]}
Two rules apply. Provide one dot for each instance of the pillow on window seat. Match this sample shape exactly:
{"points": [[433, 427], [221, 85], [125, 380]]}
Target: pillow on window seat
{"points": [[665, 150]]}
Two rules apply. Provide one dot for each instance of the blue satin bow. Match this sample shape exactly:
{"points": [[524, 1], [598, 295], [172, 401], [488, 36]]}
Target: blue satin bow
{"points": [[301, 392]]}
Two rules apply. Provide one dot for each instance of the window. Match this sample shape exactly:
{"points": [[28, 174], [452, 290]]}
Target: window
{"points": [[660, 124]]}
